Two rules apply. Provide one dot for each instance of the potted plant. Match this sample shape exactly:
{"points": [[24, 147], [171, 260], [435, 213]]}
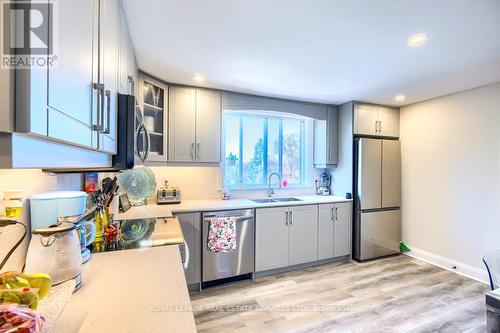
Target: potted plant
{"points": [[231, 158]]}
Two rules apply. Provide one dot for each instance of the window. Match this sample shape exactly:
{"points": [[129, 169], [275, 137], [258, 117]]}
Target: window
{"points": [[257, 144]]}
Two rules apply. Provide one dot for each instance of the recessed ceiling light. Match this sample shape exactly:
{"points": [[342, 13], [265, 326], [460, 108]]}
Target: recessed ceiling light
{"points": [[400, 98], [199, 78], [417, 39]]}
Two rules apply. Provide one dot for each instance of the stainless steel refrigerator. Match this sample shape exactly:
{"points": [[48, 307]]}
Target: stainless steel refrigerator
{"points": [[377, 198]]}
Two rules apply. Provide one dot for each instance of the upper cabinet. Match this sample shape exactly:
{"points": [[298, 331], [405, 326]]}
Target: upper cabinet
{"points": [[127, 68], [108, 72], [63, 103], [194, 125], [154, 96], [376, 120], [326, 139]]}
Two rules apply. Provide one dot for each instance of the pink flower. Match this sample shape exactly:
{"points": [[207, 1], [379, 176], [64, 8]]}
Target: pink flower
{"points": [[284, 183]]}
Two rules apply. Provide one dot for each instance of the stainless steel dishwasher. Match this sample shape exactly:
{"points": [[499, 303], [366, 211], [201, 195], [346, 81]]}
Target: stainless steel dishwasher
{"points": [[241, 261]]}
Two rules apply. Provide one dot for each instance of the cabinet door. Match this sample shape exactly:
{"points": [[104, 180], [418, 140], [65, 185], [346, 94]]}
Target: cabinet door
{"points": [[303, 235], [208, 110], [69, 85], [181, 127], [271, 238], [191, 228], [325, 231], [320, 143], [154, 97], [365, 119], [123, 59], [332, 136], [388, 122], [108, 72], [342, 230]]}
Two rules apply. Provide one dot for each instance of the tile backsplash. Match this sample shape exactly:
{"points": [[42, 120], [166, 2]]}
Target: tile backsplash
{"points": [[29, 181]]}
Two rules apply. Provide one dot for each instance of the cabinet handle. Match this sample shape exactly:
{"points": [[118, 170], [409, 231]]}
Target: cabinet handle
{"points": [[99, 87], [198, 151], [331, 214], [376, 126], [380, 126], [192, 151], [291, 218], [336, 213], [329, 154], [286, 218], [108, 122]]}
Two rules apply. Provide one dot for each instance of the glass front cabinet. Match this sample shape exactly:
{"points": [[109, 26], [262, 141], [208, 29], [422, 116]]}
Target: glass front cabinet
{"points": [[154, 95]]}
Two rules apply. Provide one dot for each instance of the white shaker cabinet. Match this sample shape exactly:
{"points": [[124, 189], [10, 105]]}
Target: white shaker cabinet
{"points": [[342, 229], [109, 53], [208, 113], [181, 128], [70, 110], [334, 230], [376, 120], [194, 125], [388, 121], [271, 238], [325, 231], [303, 234], [326, 139], [285, 236]]}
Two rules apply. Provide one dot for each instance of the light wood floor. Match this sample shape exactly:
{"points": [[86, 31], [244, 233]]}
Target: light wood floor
{"points": [[397, 294]]}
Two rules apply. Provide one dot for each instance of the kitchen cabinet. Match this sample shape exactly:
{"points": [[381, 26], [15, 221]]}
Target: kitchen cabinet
{"points": [[303, 235], [154, 95], [191, 229], [334, 230], [127, 69], [285, 236], [271, 238], [68, 109], [326, 139], [376, 120], [108, 60], [194, 125]]}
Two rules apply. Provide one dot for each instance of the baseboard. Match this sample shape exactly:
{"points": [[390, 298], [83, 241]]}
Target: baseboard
{"points": [[469, 271]]}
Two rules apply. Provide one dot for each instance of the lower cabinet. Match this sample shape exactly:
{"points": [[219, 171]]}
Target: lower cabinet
{"points": [[334, 230], [191, 228], [285, 236], [271, 238]]}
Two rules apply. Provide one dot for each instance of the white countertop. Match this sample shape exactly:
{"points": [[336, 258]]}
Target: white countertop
{"points": [[152, 210], [140, 290]]}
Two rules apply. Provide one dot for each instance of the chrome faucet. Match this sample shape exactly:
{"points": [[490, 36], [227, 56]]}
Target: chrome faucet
{"points": [[270, 191]]}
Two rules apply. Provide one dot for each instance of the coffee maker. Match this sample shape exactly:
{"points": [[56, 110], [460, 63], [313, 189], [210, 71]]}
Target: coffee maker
{"points": [[324, 184]]}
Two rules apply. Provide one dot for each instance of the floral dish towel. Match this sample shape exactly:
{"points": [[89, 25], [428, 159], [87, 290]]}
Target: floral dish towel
{"points": [[222, 234]]}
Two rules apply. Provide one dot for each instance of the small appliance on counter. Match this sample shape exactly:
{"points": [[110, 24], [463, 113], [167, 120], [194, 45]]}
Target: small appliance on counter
{"points": [[55, 250], [46, 208], [49, 208], [168, 195], [324, 185]]}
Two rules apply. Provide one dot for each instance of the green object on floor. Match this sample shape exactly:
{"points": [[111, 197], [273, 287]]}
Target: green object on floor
{"points": [[404, 247]]}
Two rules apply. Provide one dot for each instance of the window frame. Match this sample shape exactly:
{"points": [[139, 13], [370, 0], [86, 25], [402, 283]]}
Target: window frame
{"points": [[266, 115]]}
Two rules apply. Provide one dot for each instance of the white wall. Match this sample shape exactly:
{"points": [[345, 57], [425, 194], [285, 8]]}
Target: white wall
{"points": [[451, 175], [29, 181]]}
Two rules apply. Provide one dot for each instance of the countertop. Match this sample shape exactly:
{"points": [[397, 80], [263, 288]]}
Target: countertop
{"points": [[152, 210], [141, 290]]}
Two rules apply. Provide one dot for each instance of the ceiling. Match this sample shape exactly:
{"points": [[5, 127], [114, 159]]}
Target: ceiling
{"points": [[328, 51]]}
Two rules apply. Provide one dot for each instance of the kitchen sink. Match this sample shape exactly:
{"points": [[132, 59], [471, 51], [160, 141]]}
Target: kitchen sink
{"points": [[269, 200], [263, 200], [286, 199]]}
